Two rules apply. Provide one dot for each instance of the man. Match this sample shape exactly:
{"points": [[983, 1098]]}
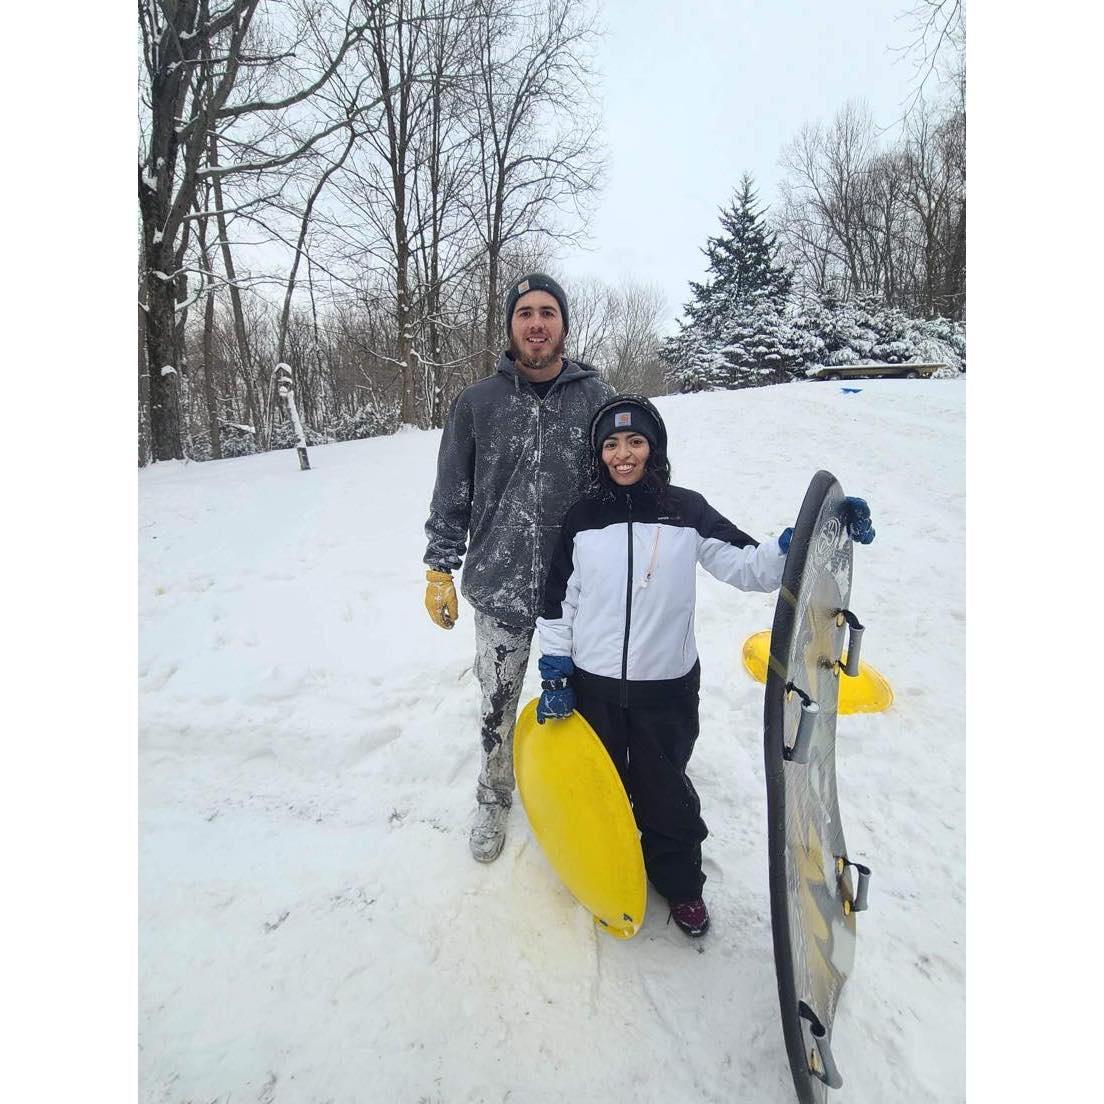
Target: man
{"points": [[513, 458]]}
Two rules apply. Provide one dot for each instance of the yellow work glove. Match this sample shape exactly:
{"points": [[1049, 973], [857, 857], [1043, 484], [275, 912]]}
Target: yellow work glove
{"points": [[440, 598]]}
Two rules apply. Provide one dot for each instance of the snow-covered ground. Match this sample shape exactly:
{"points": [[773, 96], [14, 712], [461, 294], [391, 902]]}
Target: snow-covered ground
{"points": [[312, 927]]}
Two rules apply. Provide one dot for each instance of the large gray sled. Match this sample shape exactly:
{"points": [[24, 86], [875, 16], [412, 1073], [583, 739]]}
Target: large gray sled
{"points": [[815, 888]]}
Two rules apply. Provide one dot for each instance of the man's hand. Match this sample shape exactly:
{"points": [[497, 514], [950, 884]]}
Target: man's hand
{"points": [[856, 516], [440, 598]]}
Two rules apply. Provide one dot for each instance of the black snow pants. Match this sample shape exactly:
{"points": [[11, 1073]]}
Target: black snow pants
{"points": [[650, 746]]}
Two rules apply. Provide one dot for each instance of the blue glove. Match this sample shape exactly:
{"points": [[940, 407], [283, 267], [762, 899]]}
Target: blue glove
{"points": [[856, 516], [784, 539], [557, 698]]}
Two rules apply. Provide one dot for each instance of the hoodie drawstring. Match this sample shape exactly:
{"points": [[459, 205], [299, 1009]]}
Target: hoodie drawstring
{"points": [[651, 563]]}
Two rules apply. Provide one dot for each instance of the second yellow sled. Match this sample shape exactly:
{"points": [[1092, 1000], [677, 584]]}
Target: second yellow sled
{"points": [[868, 692]]}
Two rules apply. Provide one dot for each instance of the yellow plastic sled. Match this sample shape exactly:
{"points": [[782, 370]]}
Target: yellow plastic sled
{"points": [[581, 817], [868, 692]]}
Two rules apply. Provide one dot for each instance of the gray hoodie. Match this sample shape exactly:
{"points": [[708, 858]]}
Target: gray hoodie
{"points": [[509, 466]]}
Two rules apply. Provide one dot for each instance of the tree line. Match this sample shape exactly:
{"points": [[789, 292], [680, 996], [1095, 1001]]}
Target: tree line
{"points": [[346, 186], [857, 219], [863, 259]]}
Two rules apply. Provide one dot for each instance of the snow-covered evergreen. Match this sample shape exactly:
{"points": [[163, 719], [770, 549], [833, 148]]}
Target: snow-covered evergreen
{"points": [[737, 333], [866, 331], [745, 326], [758, 343], [742, 266]]}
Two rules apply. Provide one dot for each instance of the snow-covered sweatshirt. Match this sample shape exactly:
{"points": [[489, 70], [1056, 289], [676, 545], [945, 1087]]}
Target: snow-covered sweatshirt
{"points": [[620, 594], [509, 466]]}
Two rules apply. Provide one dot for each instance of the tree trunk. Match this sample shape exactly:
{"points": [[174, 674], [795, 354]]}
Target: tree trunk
{"points": [[143, 379], [956, 280], [255, 415], [433, 334], [403, 318], [490, 328], [330, 371], [163, 359], [437, 383], [210, 394], [244, 356]]}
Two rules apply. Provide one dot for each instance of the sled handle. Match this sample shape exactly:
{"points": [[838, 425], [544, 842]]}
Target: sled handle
{"points": [[821, 1063], [854, 641], [799, 753], [862, 887]]}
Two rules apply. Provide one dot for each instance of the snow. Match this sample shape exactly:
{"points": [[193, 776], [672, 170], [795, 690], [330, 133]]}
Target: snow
{"points": [[312, 926], [168, 370]]}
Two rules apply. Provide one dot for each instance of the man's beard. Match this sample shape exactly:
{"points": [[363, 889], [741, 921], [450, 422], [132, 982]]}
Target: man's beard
{"points": [[536, 364]]}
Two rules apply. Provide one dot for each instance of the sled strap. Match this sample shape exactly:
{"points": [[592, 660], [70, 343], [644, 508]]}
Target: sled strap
{"points": [[854, 640], [799, 753], [821, 1063], [862, 886]]}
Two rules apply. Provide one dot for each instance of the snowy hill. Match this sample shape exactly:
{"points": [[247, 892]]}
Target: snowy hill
{"points": [[312, 926]]}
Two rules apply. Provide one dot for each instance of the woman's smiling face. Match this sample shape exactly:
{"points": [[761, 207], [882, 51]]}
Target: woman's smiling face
{"points": [[625, 455]]}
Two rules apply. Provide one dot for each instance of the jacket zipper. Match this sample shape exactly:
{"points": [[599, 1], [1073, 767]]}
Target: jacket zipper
{"points": [[628, 617], [537, 590], [534, 574]]}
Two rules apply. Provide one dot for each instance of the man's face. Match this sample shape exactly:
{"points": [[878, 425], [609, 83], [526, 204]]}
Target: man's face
{"points": [[537, 334]]}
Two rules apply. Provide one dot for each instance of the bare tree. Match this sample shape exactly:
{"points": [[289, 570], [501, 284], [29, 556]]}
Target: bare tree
{"points": [[535, 132], [194, 59], [395, 40], [806, 241], [445, 249], [592, 311], [634, 344], [304, 227], [859, 219], [405, 153], [829, 177], [209, 388], [937, 43]]}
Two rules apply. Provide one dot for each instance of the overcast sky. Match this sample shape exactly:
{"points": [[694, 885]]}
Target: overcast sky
{"points": [[696, 93]]}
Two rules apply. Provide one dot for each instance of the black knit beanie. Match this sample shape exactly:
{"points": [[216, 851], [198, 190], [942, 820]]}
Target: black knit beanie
{"points": [[535, 281], [628, 413]]}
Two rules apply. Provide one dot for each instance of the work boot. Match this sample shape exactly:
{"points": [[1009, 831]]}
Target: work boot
{"points": [[488, 834], [691, 916]]}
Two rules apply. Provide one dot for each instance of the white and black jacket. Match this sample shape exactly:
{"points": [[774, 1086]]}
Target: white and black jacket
{"points": [[620, 594]]}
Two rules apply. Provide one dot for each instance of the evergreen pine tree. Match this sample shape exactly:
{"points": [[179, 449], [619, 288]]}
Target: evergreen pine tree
{"points": [[742, 266], [737, 333], [694, 362]]}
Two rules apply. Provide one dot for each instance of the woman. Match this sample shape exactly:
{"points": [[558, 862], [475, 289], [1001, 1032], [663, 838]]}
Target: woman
{"points": [[617, 630]]}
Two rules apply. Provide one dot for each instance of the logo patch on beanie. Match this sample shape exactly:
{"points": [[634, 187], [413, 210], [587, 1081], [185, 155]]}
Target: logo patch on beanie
{"points": [[523, 287], [623, 418]]}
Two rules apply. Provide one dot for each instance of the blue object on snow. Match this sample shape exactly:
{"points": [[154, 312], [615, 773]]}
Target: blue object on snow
{"points": [[850, 390], [784, 539], [856, 515]]}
